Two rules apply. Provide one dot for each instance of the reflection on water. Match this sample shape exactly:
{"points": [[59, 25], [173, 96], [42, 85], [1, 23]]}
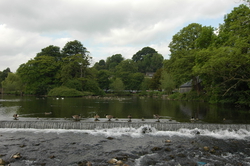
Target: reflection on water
{"points": [[138, 107]]}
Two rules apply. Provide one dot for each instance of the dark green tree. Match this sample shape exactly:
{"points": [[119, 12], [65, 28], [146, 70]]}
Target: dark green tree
{"points": [[113, 61], [139, 56], [117, 85], [185, 39], [148, 60], [126, 66], [73, 48], [136, 80], [155, 82], [235, 30], [39, 75], [167, 82], [51, 50], [4, 75], [12, 83], [101, 65], [103, 79], [185, 44]]}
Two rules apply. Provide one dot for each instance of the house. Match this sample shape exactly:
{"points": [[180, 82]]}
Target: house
{"points": [[187, 87], [150, 74]]}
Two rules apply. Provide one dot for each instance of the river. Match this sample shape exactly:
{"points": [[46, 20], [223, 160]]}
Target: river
{"points": [[55, 139]]}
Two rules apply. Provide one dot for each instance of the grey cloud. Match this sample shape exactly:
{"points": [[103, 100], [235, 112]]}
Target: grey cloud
{"points": [[125, 25]]}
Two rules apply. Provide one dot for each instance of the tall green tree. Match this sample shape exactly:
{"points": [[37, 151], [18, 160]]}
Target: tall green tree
{"points": [[185, 44], [113, 61], [235, 30], [12, 83], [224, 69], [185, 39], [51, 50], [74, 66], [103, 79], [4, 75], [126, 66], [39, 74], [167, 82], [139, 56], [117, 85], [148, 60], [155, 83], [73, 48], [101, 65]]}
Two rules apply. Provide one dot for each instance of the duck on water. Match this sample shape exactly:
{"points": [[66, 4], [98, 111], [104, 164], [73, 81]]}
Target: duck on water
{"points": [[109, 117], [76, 117], [15, 116], [97, 117], [156, 116], [129, 118]]}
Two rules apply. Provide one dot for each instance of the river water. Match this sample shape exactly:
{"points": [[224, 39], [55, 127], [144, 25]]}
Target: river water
{"points": [[121, 107], [56, 139]]}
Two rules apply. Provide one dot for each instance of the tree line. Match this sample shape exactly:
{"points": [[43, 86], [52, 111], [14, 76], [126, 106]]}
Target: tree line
{"points": [[219, 58]]}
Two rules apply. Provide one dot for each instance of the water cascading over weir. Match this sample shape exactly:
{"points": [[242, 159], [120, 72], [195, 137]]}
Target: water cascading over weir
{"points": [[89, 125]]}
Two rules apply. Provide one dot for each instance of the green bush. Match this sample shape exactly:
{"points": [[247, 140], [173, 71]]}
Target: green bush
{"points": [[65, 92]]}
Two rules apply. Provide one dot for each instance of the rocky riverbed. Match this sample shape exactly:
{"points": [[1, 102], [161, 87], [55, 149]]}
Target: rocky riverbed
{"points": [[142, 146]]}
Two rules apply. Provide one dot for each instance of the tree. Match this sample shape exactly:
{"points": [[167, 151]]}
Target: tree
{"points": [[167, 82], [103, 79], [141, 53], [226, 75], [74, 84], [101, 65], [91, 85], [39, 74], [206, 37], [12, 83], [51, 50], [73, 48], [117, 85], [148, 60], [185, 39], [235, 31], [155, 82], [4, 74], [74, 66], [136, 80], [113, 61], [126, 66], [145, 85], [155, 63], [184, 46]]}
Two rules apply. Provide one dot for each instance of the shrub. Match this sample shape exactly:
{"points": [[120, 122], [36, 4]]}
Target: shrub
{"points": [[65, 92]]}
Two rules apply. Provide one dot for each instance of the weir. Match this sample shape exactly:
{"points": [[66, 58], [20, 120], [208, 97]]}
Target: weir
{"points": [[83, 125]]}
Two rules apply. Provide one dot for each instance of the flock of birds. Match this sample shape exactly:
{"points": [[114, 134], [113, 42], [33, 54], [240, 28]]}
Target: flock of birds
{"points": [[109, 117], [96, 117]]}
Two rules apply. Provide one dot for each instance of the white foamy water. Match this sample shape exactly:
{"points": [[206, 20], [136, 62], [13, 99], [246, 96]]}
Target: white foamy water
{"points": [[240, 134]]}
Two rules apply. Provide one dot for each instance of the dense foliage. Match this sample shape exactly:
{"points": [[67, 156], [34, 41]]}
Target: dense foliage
{"points": [[217, 61], [222, 61]]}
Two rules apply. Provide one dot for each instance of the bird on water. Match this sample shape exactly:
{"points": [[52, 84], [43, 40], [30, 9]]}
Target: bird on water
{"points": [[76, 117], [156, 116], [109, 117], [48, 113], [15, 116], [97, 117], [129, 118]]}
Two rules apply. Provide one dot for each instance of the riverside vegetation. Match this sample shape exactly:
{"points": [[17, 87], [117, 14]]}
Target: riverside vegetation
{"points": [[216, 60]]}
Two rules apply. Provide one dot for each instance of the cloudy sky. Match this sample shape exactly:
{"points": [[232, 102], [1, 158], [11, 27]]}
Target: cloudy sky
{"points": [[104, 27]]}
